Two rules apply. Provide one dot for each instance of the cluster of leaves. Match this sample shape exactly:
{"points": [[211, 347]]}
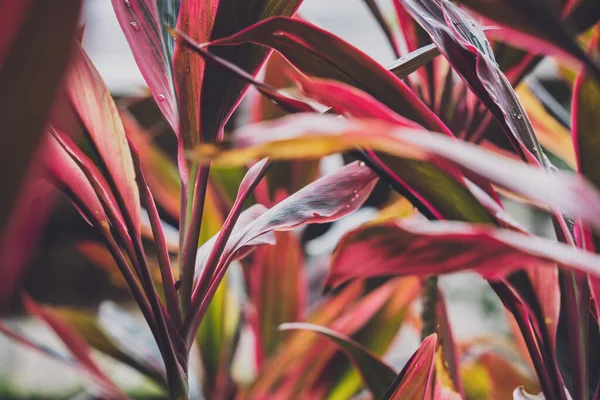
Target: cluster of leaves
{"points": [[450, 127]]}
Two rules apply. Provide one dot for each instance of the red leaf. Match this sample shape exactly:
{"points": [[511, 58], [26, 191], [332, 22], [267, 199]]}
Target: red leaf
{"points": [[21, 233], [545, 284], [196, 19], [277, 75], [221, 93], [277, 288], [415, 247], [319, 53], [96, 108], [346, 99], [93, 175], [140, 22], [35, 40], [416, 379], [298, 344], [68, 177]]}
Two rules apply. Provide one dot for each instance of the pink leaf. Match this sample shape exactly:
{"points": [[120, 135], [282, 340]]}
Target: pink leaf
{"points": [[96, 108]]}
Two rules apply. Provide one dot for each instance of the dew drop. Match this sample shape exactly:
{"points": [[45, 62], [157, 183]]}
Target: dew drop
{"points": [[134, 25], [361, 164], [128, 3], [520, 116], [161, 97]]}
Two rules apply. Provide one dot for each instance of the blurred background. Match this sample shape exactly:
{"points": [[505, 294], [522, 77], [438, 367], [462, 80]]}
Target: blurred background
{"points": [[63, 276]]}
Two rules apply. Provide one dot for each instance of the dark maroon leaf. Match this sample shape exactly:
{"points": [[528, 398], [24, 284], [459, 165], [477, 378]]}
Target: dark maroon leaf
{"points": [[221, 93], [319, 53], [288, 103], [466, 47], [21, 234], [537, 19], [35, 39]]}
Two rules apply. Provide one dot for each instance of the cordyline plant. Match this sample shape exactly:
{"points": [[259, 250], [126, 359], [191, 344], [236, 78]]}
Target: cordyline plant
{"points": [[451, 126]]}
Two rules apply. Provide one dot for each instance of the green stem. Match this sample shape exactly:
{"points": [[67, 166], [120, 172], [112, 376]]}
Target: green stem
{"points": [[429, 312]]}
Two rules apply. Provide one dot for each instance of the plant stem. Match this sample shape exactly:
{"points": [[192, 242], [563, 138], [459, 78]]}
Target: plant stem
{"points": [[159, 239], [552, 389], [194, 316], [429, 312], [192, 236], [176, 371], [577, 336]]}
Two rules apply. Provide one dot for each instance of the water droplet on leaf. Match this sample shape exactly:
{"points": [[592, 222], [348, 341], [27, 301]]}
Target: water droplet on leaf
{"points": [[128, 3], [134, 25], [161, 97]]}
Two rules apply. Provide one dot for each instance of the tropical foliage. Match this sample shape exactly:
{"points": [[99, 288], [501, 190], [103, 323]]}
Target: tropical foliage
{"points": [[455, 127]]}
